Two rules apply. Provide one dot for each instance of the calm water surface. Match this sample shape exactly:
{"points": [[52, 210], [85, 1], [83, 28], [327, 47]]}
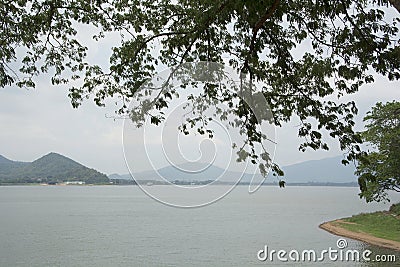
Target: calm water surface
{"points": [[121, 226]]}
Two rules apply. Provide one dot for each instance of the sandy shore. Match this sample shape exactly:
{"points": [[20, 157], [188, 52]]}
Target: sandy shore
{"points": [[335, 229]]}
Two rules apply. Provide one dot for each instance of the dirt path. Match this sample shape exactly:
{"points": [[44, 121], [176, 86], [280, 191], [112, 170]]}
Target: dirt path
{"points": [[337, 230]]}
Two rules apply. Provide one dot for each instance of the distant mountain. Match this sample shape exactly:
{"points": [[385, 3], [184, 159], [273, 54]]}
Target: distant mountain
{"points": [[187, 172], [8, 167], [328, 170], [4, 160], [116, 176], [321, 171], [193, 171], [51, 167]]}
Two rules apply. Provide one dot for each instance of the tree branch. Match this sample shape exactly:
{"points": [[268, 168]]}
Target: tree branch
{"points": [[268, 14]]}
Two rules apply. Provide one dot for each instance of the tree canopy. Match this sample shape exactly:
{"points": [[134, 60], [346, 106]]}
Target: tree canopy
{"points": [[302, 52], [379, 169]]}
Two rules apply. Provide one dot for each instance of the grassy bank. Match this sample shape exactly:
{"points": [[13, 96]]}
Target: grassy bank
{"points": [[379, 228], [383, 224]]}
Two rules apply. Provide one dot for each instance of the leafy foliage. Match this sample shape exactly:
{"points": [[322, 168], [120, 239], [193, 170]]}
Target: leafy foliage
{"points": [[300, 51], [395, 208], [379, 170]]}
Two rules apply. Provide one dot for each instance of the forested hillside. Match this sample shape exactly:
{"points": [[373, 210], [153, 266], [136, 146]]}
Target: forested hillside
{"points": [[52, 167]]}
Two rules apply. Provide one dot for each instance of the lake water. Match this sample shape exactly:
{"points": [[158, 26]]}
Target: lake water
{"points": [[121, 226]]}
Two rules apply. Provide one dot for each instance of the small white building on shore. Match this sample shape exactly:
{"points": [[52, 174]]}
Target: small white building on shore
{"points": [[74, 182]]}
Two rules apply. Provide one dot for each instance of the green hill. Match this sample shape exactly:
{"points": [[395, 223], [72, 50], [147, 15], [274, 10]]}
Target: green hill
{"points": [[49, 168], [8, 167]]}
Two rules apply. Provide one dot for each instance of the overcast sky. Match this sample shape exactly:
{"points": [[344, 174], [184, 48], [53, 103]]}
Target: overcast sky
{"points": [[41, 120], [36, 122]]}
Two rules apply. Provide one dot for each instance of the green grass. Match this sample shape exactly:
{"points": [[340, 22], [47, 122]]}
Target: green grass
{"points": [[383, 224]]}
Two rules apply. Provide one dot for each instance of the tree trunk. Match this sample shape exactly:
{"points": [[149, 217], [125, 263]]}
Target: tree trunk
{"points": [[395, 4]]}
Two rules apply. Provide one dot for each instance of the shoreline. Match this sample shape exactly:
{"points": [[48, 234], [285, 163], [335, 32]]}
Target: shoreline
{"points": [[348, 185], [333, 228]]}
